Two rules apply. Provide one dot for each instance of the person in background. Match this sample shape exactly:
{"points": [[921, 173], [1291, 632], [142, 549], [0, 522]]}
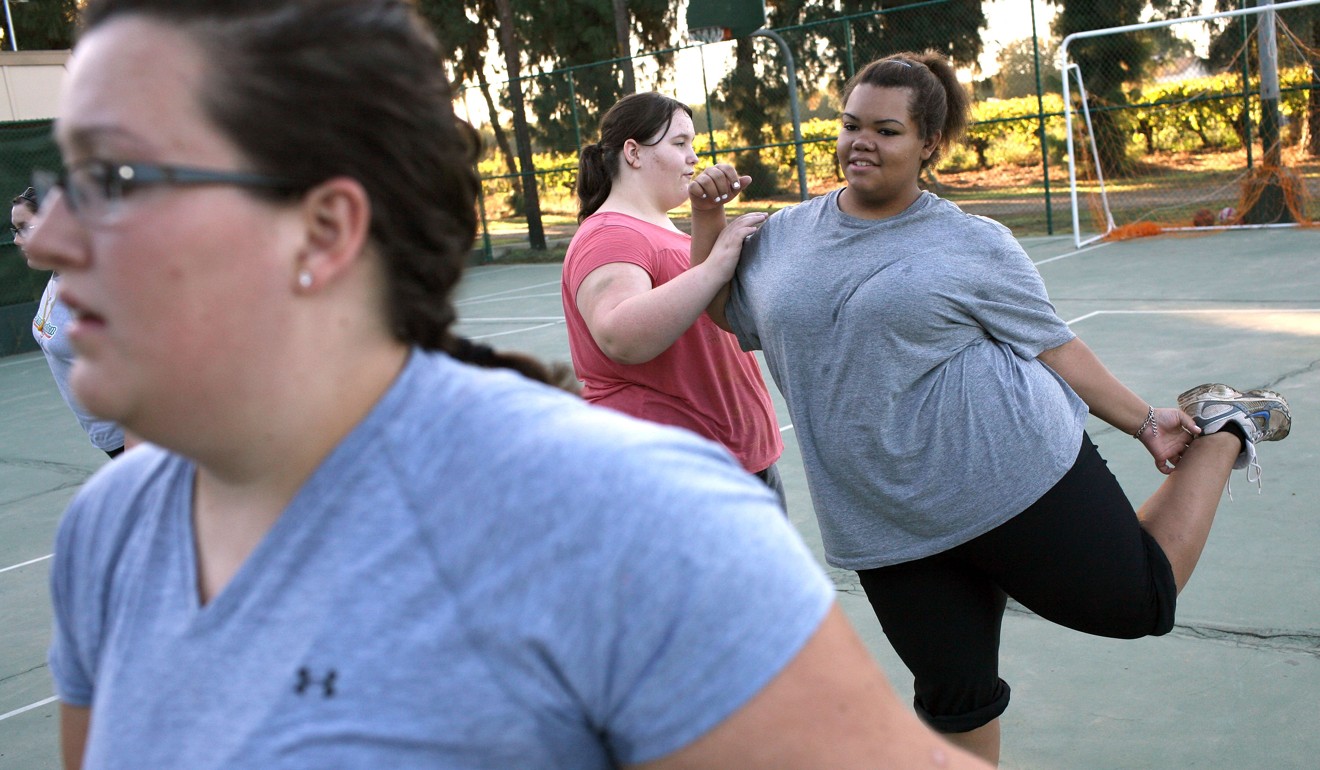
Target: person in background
{"points": [[48, 330], [639, 338], [940, 404], [341, 545]]}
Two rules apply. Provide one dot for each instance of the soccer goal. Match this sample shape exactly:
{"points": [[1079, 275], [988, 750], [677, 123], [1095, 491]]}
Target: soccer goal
{"points": [[1216, 132]]}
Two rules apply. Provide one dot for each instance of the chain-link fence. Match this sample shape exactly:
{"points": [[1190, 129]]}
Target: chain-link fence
{"points": [[1225, 140], [24, 146], [1012, 165], [1172, 108]]}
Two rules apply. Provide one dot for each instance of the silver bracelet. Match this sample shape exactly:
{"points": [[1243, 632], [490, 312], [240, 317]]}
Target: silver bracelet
{"points": [[1149, 423]]}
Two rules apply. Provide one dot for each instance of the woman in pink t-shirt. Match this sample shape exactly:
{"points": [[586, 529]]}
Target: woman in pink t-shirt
{"points": [[640, 340]]}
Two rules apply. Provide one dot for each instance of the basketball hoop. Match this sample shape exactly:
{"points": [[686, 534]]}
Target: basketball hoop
{"points": [[705, 35]]}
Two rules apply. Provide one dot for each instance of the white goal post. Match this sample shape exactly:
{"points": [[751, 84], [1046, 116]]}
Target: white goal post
{"points": [[1071, 73]]}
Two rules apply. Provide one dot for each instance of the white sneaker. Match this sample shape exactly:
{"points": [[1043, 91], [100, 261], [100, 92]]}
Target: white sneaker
{"points": [[1261, 414]]}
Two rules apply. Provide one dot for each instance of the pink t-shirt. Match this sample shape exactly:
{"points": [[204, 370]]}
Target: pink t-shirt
{"points": [[704, 382]]}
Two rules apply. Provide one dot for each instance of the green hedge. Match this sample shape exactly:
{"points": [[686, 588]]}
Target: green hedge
{"points": [[1003, 131]]}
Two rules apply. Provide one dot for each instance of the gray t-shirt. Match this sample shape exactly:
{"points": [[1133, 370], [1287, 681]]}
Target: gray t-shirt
{"points": [[49, 330], [486, 573], [906, 351]]}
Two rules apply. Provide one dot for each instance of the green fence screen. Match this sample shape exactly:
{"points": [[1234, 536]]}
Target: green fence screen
{"points": [[24, 146]]}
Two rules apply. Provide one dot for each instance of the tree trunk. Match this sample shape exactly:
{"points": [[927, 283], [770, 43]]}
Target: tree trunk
{"points": [[623, 38], [1313, 99], [502, 142], [521, 133]]}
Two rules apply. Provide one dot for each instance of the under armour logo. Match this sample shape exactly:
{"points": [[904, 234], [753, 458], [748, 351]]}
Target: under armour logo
{"points": [[327, 682]]}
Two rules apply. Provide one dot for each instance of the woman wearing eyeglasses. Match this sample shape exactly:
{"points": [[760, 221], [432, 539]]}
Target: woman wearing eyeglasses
{"points": [[48, 330], [342, 546]]}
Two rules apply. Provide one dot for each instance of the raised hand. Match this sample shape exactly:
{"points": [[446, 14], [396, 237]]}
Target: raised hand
{"points": [[715, 186]]}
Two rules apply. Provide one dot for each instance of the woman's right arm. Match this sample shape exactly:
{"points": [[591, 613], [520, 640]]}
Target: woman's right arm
{"points": [[74, 723]]}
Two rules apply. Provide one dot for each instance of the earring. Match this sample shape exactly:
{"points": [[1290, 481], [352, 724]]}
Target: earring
{"points": [[305, 278]]}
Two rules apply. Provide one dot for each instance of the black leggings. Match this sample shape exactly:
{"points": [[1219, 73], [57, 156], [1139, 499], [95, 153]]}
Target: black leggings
{"points": [[1078, 556], [770, 477]]}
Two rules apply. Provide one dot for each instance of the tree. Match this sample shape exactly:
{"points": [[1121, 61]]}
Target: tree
{"points": [[509, 44], [551, 37], [742, 97], [43, 26], [573, 42], [465, 45], [952, 28], [830, 40], [1018, 69], [1234, 38], [623, 39], [1110, 62]]}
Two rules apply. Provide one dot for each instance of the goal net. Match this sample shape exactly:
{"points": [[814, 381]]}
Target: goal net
{"points": [[1208, 122]]}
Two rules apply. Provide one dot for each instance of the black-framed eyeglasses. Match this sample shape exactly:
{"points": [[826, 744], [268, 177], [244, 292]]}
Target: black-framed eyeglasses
{"points": [[93, 189]]}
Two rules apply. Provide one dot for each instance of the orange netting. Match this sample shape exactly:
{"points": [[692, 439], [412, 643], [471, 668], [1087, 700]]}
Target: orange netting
{"points": [[1269, 193], [1134, 230]]}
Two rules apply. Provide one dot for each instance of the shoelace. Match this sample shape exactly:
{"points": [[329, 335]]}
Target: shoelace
{"points": [[1252, 466]]}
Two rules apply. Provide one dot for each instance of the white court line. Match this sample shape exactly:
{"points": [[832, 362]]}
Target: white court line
{"points": [[28, 707], [19, 360], [492, 270], [1072, 253], [466, 303], [26, 563], [1044, 238], [1195, 311], [514, 331], [511, 319], [787, 427], [507, 291]]}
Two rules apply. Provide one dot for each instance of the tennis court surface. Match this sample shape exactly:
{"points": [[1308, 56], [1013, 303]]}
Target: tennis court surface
{"points": [[1237, 683]]}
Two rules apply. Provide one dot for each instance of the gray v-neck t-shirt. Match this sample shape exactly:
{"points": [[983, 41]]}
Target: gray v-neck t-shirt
{"points": [[486, 573]]}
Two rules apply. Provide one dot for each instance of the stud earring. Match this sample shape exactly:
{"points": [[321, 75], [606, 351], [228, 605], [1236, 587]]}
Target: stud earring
{"points": [[305, 278]]}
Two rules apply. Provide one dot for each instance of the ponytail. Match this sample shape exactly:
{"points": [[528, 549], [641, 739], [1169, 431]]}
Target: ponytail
{"points": [[557, 374], [595, 178], [957, 104]]}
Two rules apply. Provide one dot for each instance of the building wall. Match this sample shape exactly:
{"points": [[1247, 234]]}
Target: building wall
{"points": [[30, 84]]}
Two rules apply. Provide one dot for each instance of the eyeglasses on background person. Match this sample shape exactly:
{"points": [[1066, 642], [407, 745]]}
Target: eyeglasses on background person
{"points": [[94, 189]]}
